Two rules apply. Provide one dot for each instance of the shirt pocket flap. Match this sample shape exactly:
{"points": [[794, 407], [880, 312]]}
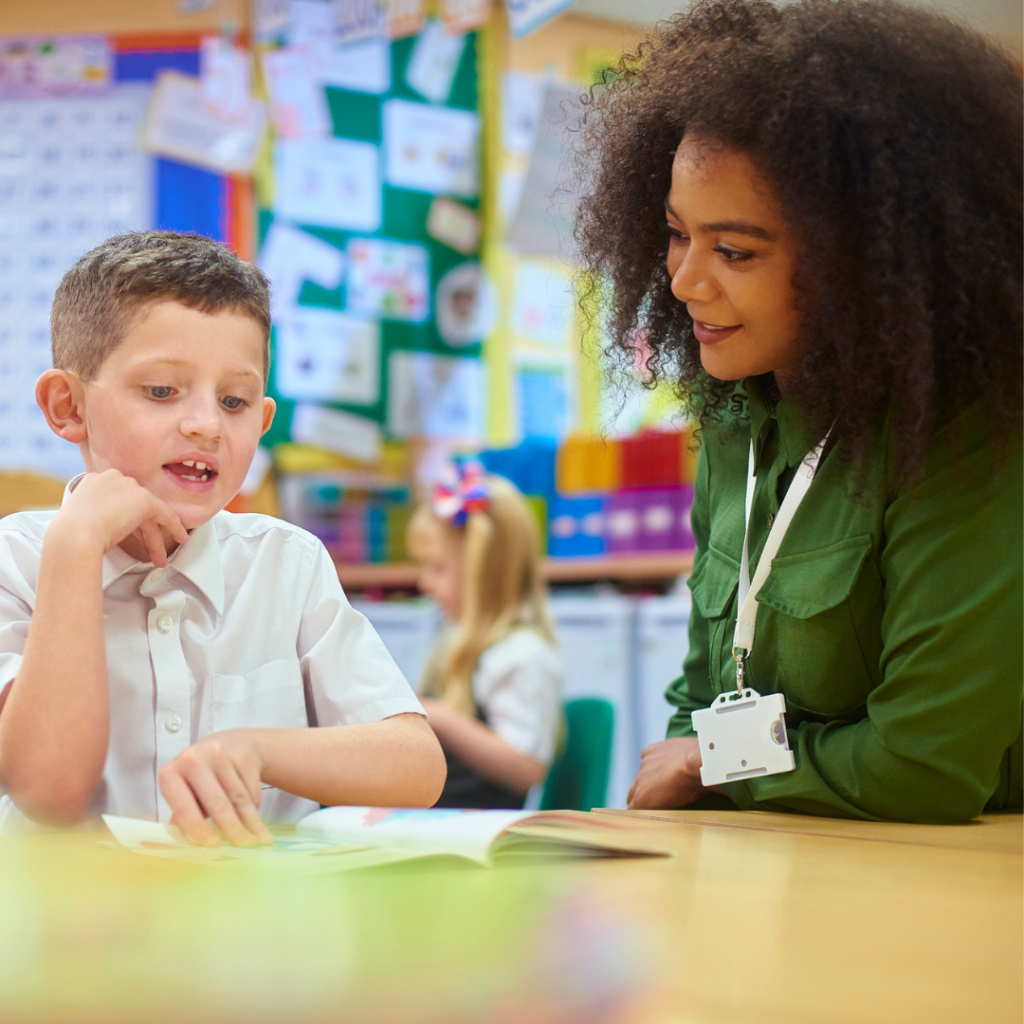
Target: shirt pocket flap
{"points": [[810, 583], [713, 582]]}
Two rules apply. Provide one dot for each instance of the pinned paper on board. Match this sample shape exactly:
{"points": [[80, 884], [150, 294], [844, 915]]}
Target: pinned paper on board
{"points": [[543, 304], [454, 225], [434, 396], [359, 19], [289, 257], [326, 356], [434, 60], [466, 306], [404, 18], [387, 279], [525, 16], [544, 401], [270, 19], [522, 102], [337, 431], [431, 149], [332, 182], [363, 66], [177, 124], [298, 106], [225, 77], [64, 65], [464, 15]]}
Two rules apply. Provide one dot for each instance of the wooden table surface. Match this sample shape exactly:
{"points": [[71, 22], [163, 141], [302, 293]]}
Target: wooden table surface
{"points": [[757, 918]]}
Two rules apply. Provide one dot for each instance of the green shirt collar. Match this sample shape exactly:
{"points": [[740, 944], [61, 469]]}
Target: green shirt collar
{"points": [[795, 440]]}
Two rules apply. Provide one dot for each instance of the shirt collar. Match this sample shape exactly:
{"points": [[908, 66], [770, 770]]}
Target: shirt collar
{"points": [[198, 561], [795, 440]]}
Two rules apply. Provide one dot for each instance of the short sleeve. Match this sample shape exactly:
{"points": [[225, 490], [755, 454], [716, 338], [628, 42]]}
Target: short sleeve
{"points": [[519, 686], [349, 676], [19, 570]]}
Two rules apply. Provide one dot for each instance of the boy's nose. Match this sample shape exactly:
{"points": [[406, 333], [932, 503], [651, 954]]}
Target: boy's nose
{"points": [[202, 419]]}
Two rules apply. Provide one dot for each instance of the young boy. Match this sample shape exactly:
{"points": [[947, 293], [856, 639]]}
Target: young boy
{"points": [[159, 657]]}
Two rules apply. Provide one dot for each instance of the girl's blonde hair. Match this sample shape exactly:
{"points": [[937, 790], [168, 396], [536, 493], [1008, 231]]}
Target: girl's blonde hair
{"points": [[502, 588]]}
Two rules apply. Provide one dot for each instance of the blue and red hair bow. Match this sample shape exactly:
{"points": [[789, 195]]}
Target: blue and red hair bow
{"points": [[461, 488]]}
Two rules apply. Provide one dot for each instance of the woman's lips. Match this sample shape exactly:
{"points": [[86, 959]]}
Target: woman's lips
{"points": [[707, 334]]}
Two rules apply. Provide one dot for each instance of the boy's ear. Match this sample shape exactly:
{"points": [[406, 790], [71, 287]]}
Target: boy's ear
{"points": [[60, 395], [269, 408]]}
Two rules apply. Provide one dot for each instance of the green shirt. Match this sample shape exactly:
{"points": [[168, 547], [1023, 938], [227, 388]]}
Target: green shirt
{"points": [[891, 620]]}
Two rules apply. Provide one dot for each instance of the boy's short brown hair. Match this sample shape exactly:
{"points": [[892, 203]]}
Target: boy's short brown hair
{"points": [[99, 296]]}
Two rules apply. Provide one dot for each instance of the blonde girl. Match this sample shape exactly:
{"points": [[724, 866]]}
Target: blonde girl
{"points": [[492, 686]]}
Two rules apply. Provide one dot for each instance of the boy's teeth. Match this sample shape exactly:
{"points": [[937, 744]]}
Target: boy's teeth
{"points": [[188, 462]]}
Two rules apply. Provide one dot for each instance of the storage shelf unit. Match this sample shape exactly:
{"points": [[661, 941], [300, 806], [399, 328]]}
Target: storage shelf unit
{"points": [[654, 567]]}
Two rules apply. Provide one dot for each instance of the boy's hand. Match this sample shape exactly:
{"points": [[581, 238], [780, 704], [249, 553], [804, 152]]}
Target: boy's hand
{"points": [[217, 778], [107, 507]]}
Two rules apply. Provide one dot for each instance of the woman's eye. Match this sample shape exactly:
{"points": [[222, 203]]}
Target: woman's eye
{"points": [[233, 402], [733, 255], [160, 391], [675, 234]]}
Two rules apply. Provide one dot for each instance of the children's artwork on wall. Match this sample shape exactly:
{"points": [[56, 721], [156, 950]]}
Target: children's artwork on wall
{"points": [[522, 102], [358, 67], [455, 225], [337, 431], [543, 304], [544, 401], [178, 124], [430, 148], [434, 61], [70, 176], [326, 356], [298, 106], [270, 19], [331, 182], [225, 74], [359, 19], [525, 16], [434, 396], [404, 18], [289, 257], [466, 305], [387, 279], [37, 66], [464, 15]]}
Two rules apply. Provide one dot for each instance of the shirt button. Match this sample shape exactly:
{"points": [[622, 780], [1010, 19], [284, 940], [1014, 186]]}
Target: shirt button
{"points": [[771, 521], [164, 623], [173, 723], [155, 576]]}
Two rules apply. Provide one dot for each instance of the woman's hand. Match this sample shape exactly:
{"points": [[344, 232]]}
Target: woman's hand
{"points": [[669, 775]]}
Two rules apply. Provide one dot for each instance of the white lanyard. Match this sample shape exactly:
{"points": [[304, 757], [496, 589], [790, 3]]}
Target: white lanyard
{"points": [[743, 637]]}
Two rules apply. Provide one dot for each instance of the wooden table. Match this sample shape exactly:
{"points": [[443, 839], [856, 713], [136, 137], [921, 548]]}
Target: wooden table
{"points": [[758, 918]]}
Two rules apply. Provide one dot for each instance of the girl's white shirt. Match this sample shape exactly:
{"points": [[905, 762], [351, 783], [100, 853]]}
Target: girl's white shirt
{"points": [[519, 682]]}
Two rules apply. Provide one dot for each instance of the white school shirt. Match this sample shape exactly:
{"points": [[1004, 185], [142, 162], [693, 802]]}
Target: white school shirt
{"points": [[518, 683], [247, 627]]}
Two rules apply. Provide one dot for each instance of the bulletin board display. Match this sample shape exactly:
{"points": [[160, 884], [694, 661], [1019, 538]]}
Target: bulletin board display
{"points": [[71, 176], [368, 238]]}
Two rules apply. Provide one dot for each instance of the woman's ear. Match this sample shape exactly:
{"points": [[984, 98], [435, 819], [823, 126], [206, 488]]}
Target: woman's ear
{"points": [[61, 397]]}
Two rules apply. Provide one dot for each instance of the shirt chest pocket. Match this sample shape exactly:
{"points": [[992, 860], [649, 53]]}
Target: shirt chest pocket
{"points": [[824, 608], [269, 697]]}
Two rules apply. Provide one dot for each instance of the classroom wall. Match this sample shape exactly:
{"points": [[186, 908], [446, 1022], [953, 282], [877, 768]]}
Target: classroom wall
{"points": [[25, 17]]}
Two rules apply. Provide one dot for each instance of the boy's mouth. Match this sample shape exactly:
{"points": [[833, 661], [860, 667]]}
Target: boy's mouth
{"points": [[191, 470]]}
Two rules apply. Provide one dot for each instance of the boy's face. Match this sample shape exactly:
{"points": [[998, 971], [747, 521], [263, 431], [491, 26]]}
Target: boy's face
{"points": [[182, 391]]}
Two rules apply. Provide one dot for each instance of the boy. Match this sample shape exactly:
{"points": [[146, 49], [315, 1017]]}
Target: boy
{"points": [[159, 657]]}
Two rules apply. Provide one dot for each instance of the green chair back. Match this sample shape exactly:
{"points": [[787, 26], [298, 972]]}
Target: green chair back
{"points": [[578, 780]]}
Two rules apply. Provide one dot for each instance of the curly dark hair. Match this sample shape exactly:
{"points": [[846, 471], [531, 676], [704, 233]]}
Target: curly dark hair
{"points": [[893, 138]]}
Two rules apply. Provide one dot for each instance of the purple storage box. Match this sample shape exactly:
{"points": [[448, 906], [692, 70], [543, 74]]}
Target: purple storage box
{"points": [[622, 523], [664, 518]]}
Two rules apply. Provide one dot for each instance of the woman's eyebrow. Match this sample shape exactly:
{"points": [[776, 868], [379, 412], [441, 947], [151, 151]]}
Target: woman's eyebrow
{"points": [[735, 227]]}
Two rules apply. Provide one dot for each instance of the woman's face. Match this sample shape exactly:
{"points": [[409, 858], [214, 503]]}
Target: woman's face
{"points": [[731, 259]]}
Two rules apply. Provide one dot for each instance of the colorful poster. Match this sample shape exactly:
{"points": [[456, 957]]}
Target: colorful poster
{"points": [[434, 396], [326, 356], [298, 106], [454, 225], [332, 183], [543, 304], [431, 149], [404, 17], [387, 279], [337, 431], [362, 66], [289, 257], [434, 60], [225, 73], [522, 101], [39, 66], [466, 306], [464, 15], [359, 19]]}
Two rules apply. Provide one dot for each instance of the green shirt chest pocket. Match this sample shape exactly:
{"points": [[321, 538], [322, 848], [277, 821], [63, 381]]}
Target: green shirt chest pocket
{"points": [[819, 628]]}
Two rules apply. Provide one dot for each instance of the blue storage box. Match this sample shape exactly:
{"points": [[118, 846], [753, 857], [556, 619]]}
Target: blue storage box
{"points": [[576, 527]]}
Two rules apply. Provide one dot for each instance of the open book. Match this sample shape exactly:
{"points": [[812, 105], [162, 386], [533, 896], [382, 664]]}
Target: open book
{"points": [[340, 838]]}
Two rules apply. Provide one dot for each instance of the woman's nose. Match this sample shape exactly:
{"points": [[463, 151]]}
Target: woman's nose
{"points": [[691, 280]]}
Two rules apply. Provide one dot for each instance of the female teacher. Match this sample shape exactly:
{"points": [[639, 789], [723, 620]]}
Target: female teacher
{"points": [[811, 217]]}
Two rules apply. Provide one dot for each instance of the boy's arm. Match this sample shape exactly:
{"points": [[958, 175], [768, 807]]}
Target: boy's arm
{"points": [[55, 719]]}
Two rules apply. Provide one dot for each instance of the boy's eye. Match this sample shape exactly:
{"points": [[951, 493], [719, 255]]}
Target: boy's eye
{"points": [[160, 391], [233, 402]]}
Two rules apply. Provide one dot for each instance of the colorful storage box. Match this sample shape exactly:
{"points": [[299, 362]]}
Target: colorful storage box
{"points": [[576, 527]]}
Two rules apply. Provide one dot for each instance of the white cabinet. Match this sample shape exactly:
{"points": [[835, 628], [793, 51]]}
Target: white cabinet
{"points": [[595, 635], [662, 630], [408, 629]]}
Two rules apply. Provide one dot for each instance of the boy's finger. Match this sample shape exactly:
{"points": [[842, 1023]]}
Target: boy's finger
{"points": [[241, 799], [149, 533], [186, 813], [219, 807]]}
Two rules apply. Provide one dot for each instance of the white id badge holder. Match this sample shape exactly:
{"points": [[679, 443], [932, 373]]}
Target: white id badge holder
{"points": [[742, 735]]}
